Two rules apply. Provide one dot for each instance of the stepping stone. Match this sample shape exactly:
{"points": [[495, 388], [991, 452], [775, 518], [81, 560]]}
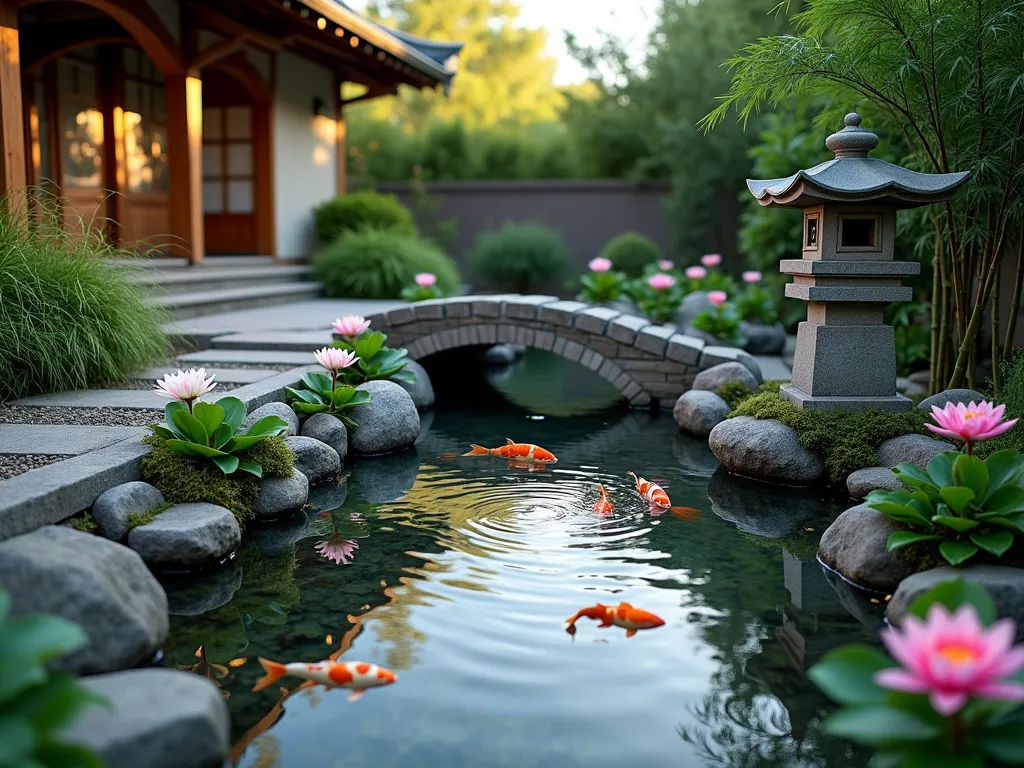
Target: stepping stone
{"points": [[226, 375], [253, 357], [187, 537], [296, 341], [97, 398], [57, 439]]}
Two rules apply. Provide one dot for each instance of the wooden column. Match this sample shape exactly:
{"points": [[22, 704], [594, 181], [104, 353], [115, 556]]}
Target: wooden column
{"points": [[111, 85], [12, 123], [185, 165], [339, 136]]}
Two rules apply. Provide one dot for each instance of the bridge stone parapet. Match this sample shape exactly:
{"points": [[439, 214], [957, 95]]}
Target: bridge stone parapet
{"points": [[650, 364]]}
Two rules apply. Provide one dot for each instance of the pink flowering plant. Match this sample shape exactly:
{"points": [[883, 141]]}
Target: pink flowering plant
{"points": [[658, 295], [424, 287], [706, 276], [602, 284], [721, 321], [754, 304], [374, 360], [947, 694], [325, 392], [959, 503]]}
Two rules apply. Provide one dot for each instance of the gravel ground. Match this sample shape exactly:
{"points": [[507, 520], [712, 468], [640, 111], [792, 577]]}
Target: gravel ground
{"points": [[12, 464], [112, 417], [144, 385]]}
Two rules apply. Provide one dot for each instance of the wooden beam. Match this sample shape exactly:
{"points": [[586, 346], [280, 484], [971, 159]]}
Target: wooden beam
{"points": [[228, 26], [49, 41], [184, 97], [110, 81], [12, 123], [215, 53], [341, 150]]}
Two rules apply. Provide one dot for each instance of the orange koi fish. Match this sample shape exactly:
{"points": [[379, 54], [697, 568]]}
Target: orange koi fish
{"points": [[603, 505], [513, 451], [357, 676], [623, 615], [659, 502]]}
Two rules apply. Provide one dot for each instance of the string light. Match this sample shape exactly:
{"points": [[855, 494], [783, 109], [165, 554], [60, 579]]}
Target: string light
{"points": [[321, 23], [339, 32], [354, 42]]}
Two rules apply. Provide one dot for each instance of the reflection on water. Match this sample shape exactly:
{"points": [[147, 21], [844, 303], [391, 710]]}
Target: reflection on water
{"points": [[461, 574]]}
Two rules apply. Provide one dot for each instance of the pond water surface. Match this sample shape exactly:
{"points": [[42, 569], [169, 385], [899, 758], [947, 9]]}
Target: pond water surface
{"points": [[458, 574]]}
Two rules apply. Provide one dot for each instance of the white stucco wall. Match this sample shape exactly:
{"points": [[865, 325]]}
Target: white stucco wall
{"points": [[170, 12], [305, 172]]}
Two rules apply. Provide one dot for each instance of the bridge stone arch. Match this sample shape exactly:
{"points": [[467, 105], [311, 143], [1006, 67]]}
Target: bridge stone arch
{"points": [[650, 364]]}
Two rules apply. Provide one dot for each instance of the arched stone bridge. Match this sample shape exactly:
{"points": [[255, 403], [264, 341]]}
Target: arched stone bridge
{"points": [[650, 364]]}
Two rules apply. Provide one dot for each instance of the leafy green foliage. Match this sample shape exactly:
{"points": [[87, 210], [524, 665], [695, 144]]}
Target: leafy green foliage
{"points": [[376, 360], [321, 395], [416, 292], [660, 306], [734, 393], [36, 704], [361, 210], [845, 441], [69, 318], [520, 256], [1012, 394], [756, 305], [960, 503], [722, 322], [378, 264], [210, 431], [903, 727], [913, 337], [602, 287], [631, 253], [186, 480]]}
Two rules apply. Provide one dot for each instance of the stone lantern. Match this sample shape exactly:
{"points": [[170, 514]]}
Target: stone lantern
{"points": [[845, 355]]}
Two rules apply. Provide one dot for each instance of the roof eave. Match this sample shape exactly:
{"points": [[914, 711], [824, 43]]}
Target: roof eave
{"points": [[802, 191]]}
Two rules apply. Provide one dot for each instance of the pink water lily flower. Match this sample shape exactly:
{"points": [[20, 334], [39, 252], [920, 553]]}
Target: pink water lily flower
{"points": [[970, 423], [952, 658], [185, 385], [600, 264], [752, 276], [696, 273], [711, 259], [424, 280], [351, 325], [717, 298], [661, 281], [334, 359], [336, 549], [665, 265]]}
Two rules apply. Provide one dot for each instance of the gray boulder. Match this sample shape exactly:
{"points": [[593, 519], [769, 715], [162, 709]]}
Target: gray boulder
{"points": [[280, 496], [113, 507], [921, 377], [707, 338], [624, 305], [693, 304], [328, 429], [763, 339], [101, 585], [158, 718], [1005, 585], [854, 545], [940, 399], [725, 373], [699, 411], [383, 479], [863, 481], [187, 537], [500, 354], [713, 355], [916, 449], [421, 392], [764, 510], [764, 450], [518, 350], [316, 460], [389, 422], [273, 409], [197, 594]]}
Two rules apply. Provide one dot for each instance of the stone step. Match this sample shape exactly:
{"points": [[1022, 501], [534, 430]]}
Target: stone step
{"points": [[297, 341], [253, 357], [96, 398], [225, 375], [198, 279], [62, 439], [183, 306]]}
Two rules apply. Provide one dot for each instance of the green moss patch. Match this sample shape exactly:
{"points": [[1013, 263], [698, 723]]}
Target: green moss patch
{"points": [[845, 441], [83, 523], [145, 518], [184, 480], [1012, 395]]}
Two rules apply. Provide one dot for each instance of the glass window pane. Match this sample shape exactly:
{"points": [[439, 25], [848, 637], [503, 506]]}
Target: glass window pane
{"points": [[212, 156], [213, 197], [131, 58], [82, 142], [213, 123], [87, 80], [240, 159], [240, 197], [239, 123]]}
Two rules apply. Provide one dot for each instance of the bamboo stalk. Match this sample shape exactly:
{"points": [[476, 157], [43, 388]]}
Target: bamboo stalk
{"points": [[937, 288], [1011, 322], [994, 312]]}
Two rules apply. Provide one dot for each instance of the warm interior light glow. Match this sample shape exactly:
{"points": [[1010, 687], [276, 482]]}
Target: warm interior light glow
{"points": [[354, 42], [321, 23], [339, 32], [325, 130]]}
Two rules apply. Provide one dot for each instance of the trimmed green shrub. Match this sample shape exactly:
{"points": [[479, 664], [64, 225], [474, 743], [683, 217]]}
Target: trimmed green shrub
{"points": [[1012, 394], [630, 252], [520, 256], [361, 210], [69, 318], [846, 441], [185, 480], [378, 264]]}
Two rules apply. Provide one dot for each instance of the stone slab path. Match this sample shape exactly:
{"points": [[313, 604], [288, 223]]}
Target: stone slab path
{"points": [[54, 439]]}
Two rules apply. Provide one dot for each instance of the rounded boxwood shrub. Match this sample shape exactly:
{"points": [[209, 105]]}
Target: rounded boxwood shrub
{"points": [[379, 263], [630, 252], [361, 210], [520, 256], [69, 318]]}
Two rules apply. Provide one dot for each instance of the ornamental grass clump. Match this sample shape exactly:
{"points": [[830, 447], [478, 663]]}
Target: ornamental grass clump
{"points": [[69, 317]]}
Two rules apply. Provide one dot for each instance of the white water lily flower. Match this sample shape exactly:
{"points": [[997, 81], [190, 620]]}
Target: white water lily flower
{"points": [[334, 359], [185, 385]]}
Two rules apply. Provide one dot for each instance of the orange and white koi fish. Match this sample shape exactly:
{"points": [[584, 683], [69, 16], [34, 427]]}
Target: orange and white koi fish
{"points": [[623, 615], [603, 505], [357, 676], [513, 451], [659, 501]]}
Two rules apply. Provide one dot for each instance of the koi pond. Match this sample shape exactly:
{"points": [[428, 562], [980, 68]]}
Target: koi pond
{"points": [[458, 574]]}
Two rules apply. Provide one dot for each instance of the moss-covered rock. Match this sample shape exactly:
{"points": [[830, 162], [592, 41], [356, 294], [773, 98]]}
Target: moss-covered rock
{"points": [[184, 480]]}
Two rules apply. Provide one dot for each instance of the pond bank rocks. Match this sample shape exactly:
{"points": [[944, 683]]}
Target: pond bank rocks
{"points": [[763, 339], [863, 481], [916, 449], [501, 354], [273, 409], [158, 718], [196, 594], [328, 429], [316, 460], [280, 496], [101, 585], [699, 411], [725, 373], [950, 396], [854, 546], [764, 450], [422, 392], [388, 423], [187, 537], [113, 507]]}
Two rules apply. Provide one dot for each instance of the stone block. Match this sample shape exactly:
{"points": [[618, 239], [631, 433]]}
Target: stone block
{"points": [[488, 334], [561, 312], [458, 307], [401, 316], [624, 328], [525, 307], [683, 349], [506, 334], [632, 390], [622, 381], [573, 351], [604, 345], [845, 361], [487, 306], [849, 267], [640, 400], [524, 336], [559, 346], [428, 310], [882, 294], [544, 340], [799, 398], [609, 370], [654, 338], [592, 360], [69, 439], [595, 319]]}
